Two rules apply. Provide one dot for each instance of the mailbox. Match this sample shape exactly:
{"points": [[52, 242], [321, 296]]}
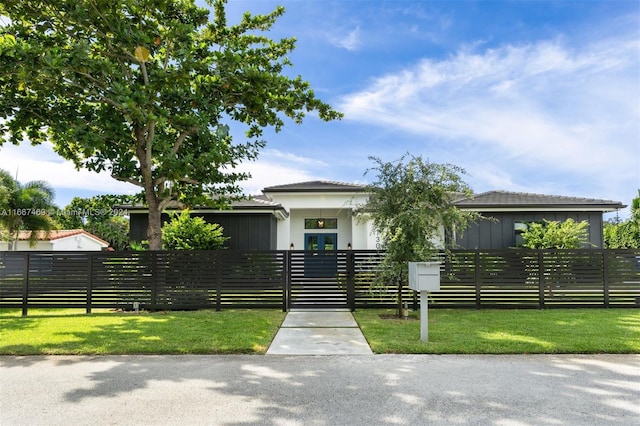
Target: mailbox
{"points": [[424, 276]]}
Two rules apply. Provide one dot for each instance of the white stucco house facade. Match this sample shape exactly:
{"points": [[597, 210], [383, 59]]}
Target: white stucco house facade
{"points": [[59, 240], [319, 215]]}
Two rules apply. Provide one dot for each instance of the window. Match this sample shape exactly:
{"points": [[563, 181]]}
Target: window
{"points": [[321, 223], [519, 228]]}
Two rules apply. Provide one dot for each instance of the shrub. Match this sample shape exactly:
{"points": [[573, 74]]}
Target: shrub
{"points": [[184, 232]]}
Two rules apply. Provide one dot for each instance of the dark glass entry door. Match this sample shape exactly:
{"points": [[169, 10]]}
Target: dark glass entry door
{"points": [[320, 255]]}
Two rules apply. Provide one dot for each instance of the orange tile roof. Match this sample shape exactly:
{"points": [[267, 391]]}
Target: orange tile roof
{"points": [[58, 234]]}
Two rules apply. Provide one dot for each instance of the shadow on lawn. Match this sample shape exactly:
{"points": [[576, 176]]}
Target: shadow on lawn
{"points": [[199, 332], [510, 332]]}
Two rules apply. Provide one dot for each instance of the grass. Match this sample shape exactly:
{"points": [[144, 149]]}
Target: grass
{"points": [[583, 331], [71, 332]]}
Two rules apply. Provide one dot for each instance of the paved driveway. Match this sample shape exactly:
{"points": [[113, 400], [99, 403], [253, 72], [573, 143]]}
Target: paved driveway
{"points": [[320, 390]]}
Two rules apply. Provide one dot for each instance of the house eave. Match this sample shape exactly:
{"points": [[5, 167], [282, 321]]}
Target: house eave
{"points": [[497, 209], [279, 212]]}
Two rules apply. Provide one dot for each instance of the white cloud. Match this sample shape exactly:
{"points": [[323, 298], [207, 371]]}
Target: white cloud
{"points": [[275, 167], [350, 41], [541, 105], [42, 163]]}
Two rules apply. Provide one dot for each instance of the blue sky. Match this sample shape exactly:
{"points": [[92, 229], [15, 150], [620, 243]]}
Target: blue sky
{"points": [[536, 96]]}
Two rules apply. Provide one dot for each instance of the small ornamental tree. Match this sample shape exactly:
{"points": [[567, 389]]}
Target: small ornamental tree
{"points": [[185, 232], [146, 90], [412, 211], [554, 234]]}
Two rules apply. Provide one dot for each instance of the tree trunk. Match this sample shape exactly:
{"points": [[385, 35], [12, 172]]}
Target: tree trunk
{"points": [[154, 231], [143, 152]]}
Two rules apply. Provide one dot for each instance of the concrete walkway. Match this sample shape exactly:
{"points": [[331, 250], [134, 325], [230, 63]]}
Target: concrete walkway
{"points": [[328, 332]]}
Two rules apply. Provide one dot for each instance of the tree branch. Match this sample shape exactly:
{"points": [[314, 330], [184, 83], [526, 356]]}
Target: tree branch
{"points": [[168, 202], [145, 76], [182, 138], [128, 180]]}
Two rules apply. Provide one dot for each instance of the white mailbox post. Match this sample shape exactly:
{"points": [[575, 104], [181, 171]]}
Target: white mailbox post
{"points": [[424, 277]]}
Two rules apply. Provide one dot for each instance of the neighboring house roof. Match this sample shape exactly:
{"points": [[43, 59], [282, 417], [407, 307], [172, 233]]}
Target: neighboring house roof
{"points": [[316, 186], [59, 234], [504, 200]]}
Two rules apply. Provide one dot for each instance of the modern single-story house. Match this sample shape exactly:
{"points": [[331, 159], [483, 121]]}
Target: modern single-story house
{"points": [[318, 215], [298, 216], [59, 240]]}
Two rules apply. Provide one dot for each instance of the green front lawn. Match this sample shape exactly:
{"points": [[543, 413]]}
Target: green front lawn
{"points": [[458, 331], [63, 331]]}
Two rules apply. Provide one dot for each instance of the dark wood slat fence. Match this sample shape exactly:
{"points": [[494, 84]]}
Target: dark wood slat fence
{"points": [[297, 279]]}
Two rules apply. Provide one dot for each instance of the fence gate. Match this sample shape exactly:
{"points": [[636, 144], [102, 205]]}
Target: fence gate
{"points": [[318, 280]]}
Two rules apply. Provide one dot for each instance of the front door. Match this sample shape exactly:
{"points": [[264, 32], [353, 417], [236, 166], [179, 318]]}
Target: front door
{"points": [[320, 256]]}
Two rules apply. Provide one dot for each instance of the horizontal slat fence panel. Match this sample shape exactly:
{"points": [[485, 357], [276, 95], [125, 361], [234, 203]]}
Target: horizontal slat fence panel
{"points": [[12, 268], [121, 279], [623, 277], [318, 279], [250, 279], [298, 279], [573, 278], [369, 291], [58, 280], [457, 281], [508, 279]]}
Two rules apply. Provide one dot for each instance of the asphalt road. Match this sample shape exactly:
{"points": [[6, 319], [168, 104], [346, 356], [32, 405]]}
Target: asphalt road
{"points": [[321, 390]]}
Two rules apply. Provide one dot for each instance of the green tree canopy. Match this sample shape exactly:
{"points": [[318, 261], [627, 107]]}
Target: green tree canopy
{"points": [[146, 89], [185, 232], [24, 207], [412, 211], [554, 234], [99, 216]]}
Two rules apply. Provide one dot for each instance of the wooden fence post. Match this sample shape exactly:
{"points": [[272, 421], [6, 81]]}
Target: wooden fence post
{"points": [[540, 279], [351, 281], [605, 277], [154, 279], [218, 263], [89, 282], [286, 280], [25, 285], [477, 279]]}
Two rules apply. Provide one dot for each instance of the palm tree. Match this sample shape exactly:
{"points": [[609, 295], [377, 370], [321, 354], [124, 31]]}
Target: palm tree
{"points": [[24, 207]]}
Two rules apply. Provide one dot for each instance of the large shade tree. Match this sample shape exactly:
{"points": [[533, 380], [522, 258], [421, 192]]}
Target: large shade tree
{"points": [[411, 208], [146, 89], [24, 207]]}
